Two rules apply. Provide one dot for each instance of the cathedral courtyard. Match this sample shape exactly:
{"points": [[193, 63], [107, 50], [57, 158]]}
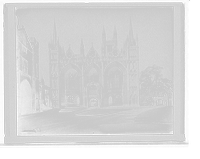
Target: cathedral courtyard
{"points": [[97, 121]]}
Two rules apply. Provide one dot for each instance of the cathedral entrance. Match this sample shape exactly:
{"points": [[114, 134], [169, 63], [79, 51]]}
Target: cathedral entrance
{"points": [[70, 87], [93, 102], [93, 87], [114, 86]]}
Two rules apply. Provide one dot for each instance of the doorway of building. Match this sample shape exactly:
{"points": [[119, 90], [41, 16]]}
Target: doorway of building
{"points": [[93, 102]]}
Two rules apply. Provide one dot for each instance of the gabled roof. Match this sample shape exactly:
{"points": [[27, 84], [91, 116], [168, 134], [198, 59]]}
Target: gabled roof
{"points": [[92, 52]]}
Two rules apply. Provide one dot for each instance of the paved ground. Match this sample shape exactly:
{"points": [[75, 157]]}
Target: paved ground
{"points": [[97, 121]]}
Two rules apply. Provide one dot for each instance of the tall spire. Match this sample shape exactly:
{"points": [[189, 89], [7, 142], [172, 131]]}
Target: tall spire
{"points": [[131, 37], [54, 33]]}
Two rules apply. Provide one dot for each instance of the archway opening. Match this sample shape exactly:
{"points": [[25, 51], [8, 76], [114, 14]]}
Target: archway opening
{"points": [[115, 84], [72, 88], [25, 102]]}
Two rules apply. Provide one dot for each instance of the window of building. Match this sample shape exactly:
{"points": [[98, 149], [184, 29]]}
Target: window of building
{"points": [[24, 66]]}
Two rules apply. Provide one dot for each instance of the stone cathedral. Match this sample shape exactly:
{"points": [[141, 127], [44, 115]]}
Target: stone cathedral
{"points": [[95, 78]]}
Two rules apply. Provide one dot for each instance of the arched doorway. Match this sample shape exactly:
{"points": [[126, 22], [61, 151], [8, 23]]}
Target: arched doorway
{"points": [[93, 87], [25, 98], [114, 84], [72, 87], [93, 102]]}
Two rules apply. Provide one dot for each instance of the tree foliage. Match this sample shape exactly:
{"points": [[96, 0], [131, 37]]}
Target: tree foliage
{"points": [[153, 84]]}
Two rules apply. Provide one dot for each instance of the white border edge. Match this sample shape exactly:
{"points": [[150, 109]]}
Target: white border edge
{"points": [[10, 126]]}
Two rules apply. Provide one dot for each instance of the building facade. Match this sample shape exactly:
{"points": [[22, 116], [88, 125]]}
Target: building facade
{"points": [[109, 77], [27, 60]]}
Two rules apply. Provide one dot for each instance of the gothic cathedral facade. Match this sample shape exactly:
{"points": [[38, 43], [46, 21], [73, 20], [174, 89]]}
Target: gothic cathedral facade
{"points": [[106, 78]]}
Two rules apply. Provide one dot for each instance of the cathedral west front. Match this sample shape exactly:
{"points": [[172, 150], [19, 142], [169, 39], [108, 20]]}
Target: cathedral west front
{"points": [[95, 78]]}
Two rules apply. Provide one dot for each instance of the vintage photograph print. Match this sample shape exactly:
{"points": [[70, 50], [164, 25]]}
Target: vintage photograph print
{"points": [[95, 70]]}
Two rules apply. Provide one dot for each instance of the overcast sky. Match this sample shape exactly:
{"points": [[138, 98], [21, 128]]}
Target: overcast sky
{"points": [[153, 25]]}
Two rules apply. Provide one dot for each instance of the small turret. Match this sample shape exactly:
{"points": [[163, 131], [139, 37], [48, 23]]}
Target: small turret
{"points": [[131, 38]]}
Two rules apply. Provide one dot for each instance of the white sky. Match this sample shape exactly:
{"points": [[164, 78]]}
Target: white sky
{"points": [[153, 25]]}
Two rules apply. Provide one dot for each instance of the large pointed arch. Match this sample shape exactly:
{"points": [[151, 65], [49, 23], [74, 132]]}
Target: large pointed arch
{"points": [[89, 68], [114, 79], [62, 90], [116, 64], [74, 66]]}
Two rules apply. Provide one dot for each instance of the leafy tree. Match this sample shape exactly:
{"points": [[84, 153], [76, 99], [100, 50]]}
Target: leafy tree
{"points": [[152, 84]]}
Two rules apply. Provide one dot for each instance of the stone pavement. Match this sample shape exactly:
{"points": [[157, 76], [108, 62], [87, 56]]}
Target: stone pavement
{"points": [[54, 123], [125, 124]]}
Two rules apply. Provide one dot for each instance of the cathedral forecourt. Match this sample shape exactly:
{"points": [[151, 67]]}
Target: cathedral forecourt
{"points": [[109, 78]]}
